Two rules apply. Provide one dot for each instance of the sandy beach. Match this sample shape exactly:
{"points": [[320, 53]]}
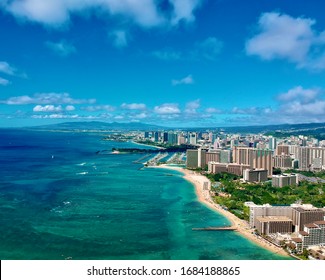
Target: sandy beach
{"points": [[203, 195]]}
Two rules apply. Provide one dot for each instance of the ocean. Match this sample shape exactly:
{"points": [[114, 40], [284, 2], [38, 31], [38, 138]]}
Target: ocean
{"points": [[59, 199]]}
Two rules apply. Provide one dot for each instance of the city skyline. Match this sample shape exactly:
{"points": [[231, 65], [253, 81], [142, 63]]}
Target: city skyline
{"points": [[173, 63]]}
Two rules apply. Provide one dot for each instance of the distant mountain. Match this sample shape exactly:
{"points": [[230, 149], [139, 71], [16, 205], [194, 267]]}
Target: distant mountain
{"points": [[280, 130], [95, 125]]}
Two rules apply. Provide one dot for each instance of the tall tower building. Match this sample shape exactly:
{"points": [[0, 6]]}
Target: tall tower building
{"points": [[255, 158], [272, 143], [193, 138]]}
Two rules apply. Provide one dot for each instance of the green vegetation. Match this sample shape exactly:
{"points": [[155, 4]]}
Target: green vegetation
{"points": [[320, 174], [232, 194], [223, 176]]}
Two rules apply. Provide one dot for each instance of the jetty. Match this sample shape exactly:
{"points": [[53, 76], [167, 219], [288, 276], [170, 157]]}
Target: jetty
{"points": [[227, 228]]}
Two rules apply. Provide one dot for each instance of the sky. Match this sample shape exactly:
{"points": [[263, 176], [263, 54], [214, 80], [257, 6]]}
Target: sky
{"points": [[177, 63]]}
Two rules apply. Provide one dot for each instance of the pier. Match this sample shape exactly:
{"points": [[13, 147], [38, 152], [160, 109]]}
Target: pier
{"points": [[142, 158], [227, 228]]}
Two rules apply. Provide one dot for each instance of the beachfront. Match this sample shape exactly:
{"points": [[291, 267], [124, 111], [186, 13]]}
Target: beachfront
{"points": [[204, 196]]}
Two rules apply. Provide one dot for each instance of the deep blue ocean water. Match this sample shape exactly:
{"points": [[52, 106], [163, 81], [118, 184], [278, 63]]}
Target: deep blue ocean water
{"points": [[59, 200]]}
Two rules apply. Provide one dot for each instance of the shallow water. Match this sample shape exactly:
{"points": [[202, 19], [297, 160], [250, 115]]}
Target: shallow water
{"points": [[59, 199]]}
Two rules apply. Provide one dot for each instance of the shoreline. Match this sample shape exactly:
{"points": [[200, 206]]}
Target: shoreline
{"points": [[147, 145], [204, 197]]}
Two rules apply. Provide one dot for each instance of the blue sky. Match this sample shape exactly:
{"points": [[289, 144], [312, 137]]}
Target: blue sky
{"points": [[170, 62]]}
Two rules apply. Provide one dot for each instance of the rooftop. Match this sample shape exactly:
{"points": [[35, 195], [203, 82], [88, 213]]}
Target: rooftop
{"points": [[311, 225], [296, 239], [274, 219]]}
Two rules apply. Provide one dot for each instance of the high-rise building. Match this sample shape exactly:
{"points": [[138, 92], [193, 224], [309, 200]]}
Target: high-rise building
{"points": [[272, 143], [306, 214], [196, 158], [156, 136], [273, 224], [282, 161], [307, 155], [282, 150], [313, 234], [255, 175], [255, 158], [165, 137], [267, 210], [193, 138], [285, 180], [172, 138], [181, 140], [233, 168]]}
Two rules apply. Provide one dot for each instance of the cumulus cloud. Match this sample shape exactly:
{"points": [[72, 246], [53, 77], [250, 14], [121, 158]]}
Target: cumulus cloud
{"points": [[140, 116], [61, 48], [304, 95], [281, 36], [167, 109], [58, 12], [191, 107], [212, 110], [47, 108], [188, 80], [133, 106], [96, 108], [300, 102], [294, 106], [4, 82], [45, 98], [52, 108], [184, 9], [56, 116], [146, 13], [6, 68]]}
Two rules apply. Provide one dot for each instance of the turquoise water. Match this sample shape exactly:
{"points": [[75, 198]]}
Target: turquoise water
{"points": [[60, 199]]}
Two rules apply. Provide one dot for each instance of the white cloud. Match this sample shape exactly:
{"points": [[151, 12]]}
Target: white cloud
{"points": [[145, 13], [298, 102], [134, 106], [284, 37], [305, 95], [47, 108], [52, 108], [58, 12], [297, 108], [140, 116], [70, 108], [167, 109], [56, 116], [192, 106], [183, 10], [211, 110], [62, 48], [6, 68], [4, 82], [188, 80], [297, 105], [46, 98], [251, 110], [120, 38], [95, 108], [209, 49]]}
